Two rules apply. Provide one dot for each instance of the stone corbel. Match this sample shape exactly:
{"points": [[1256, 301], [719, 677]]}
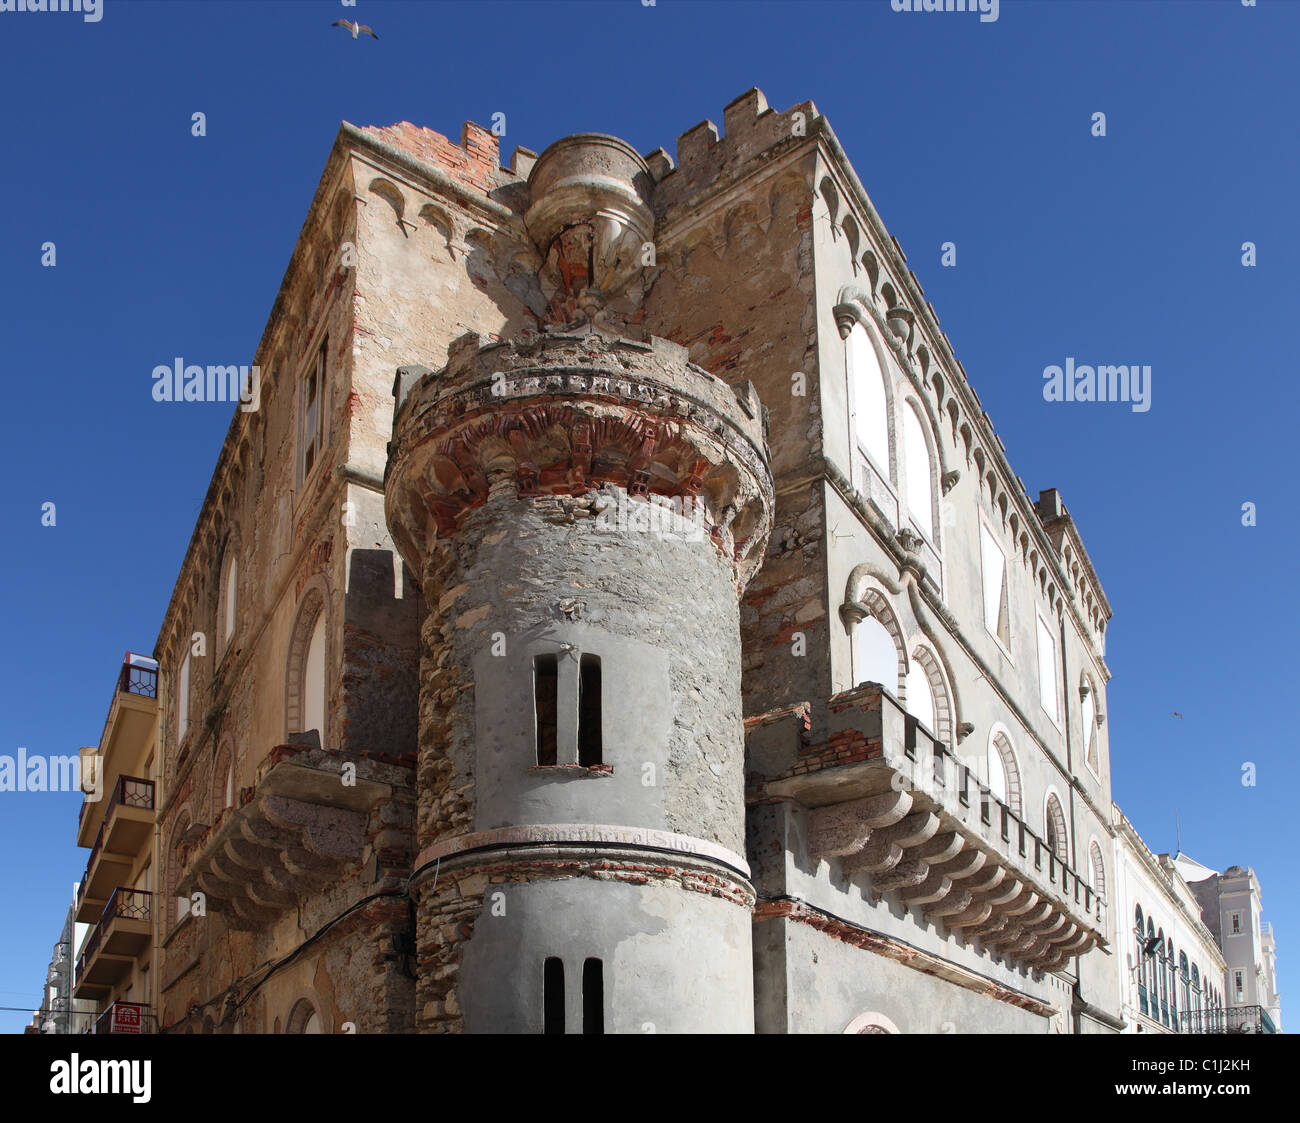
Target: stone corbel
{"points": [[949, 480], [846, 315], [964, 730], [853, 613], [900, 321]]}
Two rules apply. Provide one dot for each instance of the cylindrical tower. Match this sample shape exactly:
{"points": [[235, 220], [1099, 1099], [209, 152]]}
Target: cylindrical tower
{"points": [[584, 513]]}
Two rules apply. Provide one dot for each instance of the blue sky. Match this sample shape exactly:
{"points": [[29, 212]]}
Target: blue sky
{"points": [[1125, 249]]}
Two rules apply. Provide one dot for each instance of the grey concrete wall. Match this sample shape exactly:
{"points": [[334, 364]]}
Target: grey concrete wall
{"points": [[674, 961], [662, 615]]}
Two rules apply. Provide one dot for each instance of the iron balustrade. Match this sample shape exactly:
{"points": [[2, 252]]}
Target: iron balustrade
{"points": [[141, 681], [129, 904], [130, 791], [131, 679], [943, 763], [1236, 1019]]}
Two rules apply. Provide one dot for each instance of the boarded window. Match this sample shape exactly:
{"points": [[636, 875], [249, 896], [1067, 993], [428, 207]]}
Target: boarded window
{"points": [[593, 996], [546, 706], [589, 719], [553, 996]]}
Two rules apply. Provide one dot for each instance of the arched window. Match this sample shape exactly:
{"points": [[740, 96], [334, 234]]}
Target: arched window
{"points": [[1055, 821], [932, 703], [228, 597], [1150, 961], [1004, 773], [183, 698], [1140, 961], [869, 398], [307, 677], [1162, 973], [223, 781], [303, 1018], [916, 463], [875, 655], [1185, 984], [1090, 727], [871, 1023], [177, 907], [1096, 869], [920, 696], [1196, 989]]}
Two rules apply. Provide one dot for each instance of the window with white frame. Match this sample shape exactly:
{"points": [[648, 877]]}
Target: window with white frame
{"points": [[916, 462], [875, 656], [870, 403], [1089, 708], [997, 600], [229, 587], [920, 696], [1047, 688]]}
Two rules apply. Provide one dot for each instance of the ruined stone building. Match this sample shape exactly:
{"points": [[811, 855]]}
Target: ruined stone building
{"points": [[618, 614]]}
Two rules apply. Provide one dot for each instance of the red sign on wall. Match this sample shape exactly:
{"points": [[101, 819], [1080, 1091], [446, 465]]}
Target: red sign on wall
{"points": [[127, 1018]]}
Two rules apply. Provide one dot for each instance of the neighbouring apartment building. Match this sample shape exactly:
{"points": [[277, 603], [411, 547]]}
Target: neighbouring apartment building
{"points": [[619, 615], [1171, 967], [114, 965], [1231, 904]]}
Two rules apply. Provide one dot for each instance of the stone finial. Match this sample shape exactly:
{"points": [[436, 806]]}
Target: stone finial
{"points": [[591, 219]]}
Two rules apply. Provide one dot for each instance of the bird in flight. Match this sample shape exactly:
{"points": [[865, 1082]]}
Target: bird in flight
{"points": [[354, 27], [1177, 714]]}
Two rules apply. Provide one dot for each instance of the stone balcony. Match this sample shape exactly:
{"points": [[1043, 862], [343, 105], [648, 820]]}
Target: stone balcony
{"points": [[887, 800], [300, 828]]}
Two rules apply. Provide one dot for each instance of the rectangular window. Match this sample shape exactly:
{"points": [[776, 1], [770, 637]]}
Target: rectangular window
{"points": [[183, 699], [546, 705], [311, 415], [589, 727], [997, 604], [1239, 985], [593, 996], [1047, 693], [1236, 923], [553, 996]]}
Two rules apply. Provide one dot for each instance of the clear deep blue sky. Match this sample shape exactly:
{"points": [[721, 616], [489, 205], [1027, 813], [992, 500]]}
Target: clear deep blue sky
{"points": [[1118, 250]]}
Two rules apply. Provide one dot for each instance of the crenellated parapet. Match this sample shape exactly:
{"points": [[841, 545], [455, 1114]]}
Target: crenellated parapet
{"points": [[564, 415]]}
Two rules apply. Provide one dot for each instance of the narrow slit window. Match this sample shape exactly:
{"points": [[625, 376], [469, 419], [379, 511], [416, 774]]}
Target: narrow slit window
{"points": [[593, 996], [553, 995], [589, 733], [546, 703]]}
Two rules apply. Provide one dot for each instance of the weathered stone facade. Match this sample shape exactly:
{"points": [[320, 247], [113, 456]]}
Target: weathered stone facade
{"points": [[634, 452]]}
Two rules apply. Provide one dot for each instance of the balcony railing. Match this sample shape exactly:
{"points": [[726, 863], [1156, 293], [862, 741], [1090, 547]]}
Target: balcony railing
{"points": [[138, 675], [130, 791], [950, 773], [1236, 1019], [125, 1017], [124, 903], [130, 904]]}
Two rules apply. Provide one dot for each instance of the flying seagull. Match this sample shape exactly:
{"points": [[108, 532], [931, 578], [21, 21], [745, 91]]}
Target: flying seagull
{"points": [[354, 27], [1177, 714]]}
